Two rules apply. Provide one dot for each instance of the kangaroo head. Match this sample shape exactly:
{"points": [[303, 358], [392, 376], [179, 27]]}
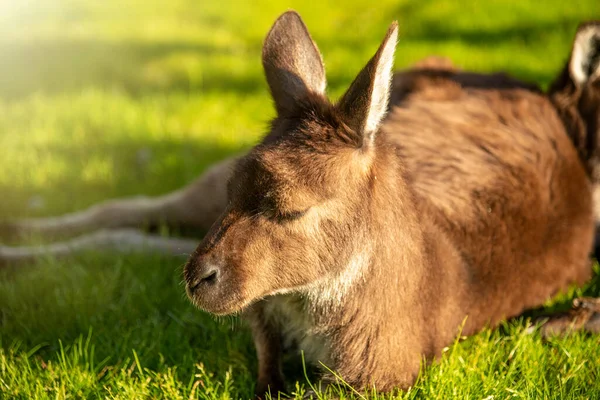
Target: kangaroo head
{"points": [[300, 202], [576, 93]]}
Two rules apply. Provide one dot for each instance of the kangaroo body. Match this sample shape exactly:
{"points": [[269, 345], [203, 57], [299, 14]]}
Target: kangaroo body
{"points": [[492, 177]]}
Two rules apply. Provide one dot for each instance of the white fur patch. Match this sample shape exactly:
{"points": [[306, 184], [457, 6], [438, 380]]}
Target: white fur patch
{"points": [[298, 328], [293, 309], [381, 85], [330, 291]]}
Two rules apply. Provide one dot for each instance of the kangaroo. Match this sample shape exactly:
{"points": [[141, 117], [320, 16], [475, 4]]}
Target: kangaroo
{"points": [[370, 242]]}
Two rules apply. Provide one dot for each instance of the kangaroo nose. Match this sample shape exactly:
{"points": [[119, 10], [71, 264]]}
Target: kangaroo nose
{"points": [[209, 276]]}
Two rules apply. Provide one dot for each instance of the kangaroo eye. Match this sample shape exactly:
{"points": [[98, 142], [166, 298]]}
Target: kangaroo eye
{"points": [[291, 215]]}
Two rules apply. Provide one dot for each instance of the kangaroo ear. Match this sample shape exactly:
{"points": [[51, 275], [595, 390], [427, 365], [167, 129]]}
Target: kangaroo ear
{"points": [[365, 103], [293, 65], [585, 56]]}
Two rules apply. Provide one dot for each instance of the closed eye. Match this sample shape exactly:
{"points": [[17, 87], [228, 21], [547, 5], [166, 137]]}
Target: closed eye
{"points": [[290, 215]]}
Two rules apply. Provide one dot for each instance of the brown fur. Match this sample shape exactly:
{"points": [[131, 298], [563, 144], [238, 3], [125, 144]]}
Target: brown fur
{"points": [[370, 248]]}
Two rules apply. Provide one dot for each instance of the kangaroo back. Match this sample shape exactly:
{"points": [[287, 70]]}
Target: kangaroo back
{"points": [[491, 159]]}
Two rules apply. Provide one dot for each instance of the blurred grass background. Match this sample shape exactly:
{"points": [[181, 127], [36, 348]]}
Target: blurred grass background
{"points": [[113, 98]]}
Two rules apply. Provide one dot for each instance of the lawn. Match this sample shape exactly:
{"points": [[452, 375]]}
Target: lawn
{"points": [[114, 98]]}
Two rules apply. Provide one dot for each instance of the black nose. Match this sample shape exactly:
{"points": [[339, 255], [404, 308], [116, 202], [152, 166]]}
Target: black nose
{"points": [[208, 277]]}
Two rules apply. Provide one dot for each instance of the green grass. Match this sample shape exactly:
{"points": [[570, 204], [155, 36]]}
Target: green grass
{"points": [[113, 98]]}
